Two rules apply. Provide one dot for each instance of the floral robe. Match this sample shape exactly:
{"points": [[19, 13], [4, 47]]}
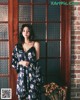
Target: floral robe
{"points": [[29, 77]]}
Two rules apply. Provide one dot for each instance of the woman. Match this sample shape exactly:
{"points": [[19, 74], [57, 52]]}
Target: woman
{"points": [[25, 59]]}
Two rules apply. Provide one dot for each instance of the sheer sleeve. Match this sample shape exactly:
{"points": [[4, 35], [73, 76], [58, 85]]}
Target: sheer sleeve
{"points": [[38, 73], [37, 69], [15, 59]]}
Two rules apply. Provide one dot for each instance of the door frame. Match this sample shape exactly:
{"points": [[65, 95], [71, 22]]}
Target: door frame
{"points": [[66, 46], [13, 38]]}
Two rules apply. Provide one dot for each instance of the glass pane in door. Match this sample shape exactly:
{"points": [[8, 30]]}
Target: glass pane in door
{"points": [[24, 13], [3, 13]]}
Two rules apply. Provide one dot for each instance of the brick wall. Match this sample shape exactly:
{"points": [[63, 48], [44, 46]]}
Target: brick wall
{"points": [[75, 51]]}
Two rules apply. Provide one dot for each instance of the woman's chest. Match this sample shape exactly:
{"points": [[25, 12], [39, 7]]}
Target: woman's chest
{"points": [[21, 55]]}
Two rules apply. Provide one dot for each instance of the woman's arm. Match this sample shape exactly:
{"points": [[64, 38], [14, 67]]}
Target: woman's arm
{"points": [[38, 67], [15, 59], [24, 63], [37, 47]]}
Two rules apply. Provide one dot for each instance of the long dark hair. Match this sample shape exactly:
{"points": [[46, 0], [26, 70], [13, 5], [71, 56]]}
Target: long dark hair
{"points": [[20, 36]]}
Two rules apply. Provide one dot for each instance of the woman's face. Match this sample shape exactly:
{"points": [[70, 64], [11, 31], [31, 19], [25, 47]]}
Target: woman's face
{"points": [[26, 32]]}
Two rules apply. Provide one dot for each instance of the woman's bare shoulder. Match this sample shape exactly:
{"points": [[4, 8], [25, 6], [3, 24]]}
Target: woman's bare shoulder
{"points": [[36, 44]]}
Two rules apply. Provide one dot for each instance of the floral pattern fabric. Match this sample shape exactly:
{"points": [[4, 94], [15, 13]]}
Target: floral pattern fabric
{"points": [[29, 77]]}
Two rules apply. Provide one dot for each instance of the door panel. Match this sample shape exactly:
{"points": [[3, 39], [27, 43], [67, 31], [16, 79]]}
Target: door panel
{"points": [[4, 82], [54, 13], [24, 13], [3, 11], [54, 31], [39, 30], [4, 30], [53, 49], [4, 66], [4, 46], [39, 13]]}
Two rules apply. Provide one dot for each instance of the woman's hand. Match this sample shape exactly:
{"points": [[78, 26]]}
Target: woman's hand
{"points": [[24, 63]]}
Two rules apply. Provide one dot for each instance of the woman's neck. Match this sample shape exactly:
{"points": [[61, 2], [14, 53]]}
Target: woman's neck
{"points": [[27, 41]]}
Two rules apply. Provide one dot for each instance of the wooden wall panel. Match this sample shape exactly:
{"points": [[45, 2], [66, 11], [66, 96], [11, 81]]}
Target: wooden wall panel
{"points": [[13, 37]]}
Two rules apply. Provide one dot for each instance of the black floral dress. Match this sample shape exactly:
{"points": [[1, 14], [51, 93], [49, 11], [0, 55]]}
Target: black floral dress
{"points": [[29, 77]]}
